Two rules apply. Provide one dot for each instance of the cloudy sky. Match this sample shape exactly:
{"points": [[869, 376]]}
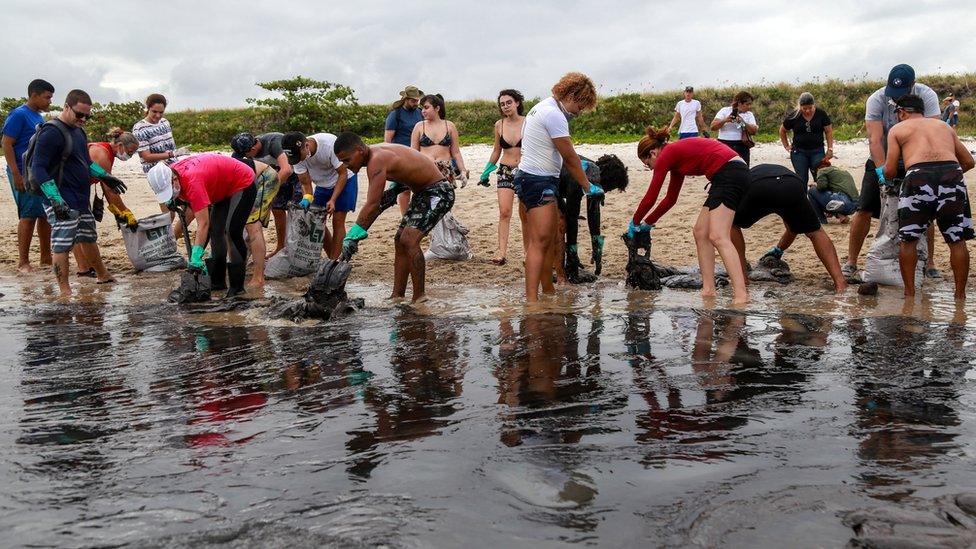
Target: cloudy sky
{"points": [[209, 53]]}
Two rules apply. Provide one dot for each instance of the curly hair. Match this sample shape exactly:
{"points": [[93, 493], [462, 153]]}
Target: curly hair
{"points": [[743, 97], [613, 173], [517, 96], [653, 139], [578, 87]]}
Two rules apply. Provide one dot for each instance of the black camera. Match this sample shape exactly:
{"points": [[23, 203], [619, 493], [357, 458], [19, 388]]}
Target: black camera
{"points": [[735, 112]]}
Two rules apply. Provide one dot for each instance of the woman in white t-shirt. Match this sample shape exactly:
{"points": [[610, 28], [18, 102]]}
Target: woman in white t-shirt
{"points": [[735, 119]]}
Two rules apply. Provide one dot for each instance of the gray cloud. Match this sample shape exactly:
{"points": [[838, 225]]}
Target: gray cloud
{"points": [[210, 54]]}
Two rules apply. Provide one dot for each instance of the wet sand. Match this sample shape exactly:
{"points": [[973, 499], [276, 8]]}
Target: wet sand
{"points": [[477, 208]]}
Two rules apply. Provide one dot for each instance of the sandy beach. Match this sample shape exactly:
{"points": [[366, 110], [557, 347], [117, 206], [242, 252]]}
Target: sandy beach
{"points": [[477, 208]]}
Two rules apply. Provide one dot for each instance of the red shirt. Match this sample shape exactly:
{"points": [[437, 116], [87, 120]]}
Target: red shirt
{"points": [[692, 156], [209, 178], [111, 157]]}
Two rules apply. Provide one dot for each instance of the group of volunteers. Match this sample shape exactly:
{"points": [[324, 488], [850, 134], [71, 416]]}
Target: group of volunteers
{"points": [[419, 165]]}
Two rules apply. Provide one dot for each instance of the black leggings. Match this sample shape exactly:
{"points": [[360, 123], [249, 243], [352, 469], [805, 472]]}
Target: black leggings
{"points": [[574, 199], [739, 147], [227, 220]]}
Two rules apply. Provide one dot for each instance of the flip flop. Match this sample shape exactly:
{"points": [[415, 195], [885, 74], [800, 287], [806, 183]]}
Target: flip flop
{"points": [[497, 261], [109, 281], [90, 273]]}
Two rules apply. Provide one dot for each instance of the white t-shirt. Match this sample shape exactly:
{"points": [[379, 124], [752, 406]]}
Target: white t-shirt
{"points": [[689, 111], [732, 131], [321, 166], [545, 122]]}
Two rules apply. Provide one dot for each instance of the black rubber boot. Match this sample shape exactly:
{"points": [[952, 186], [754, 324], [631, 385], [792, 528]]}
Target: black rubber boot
{"points": [[218, 274], [597, 253], [236, 274]]}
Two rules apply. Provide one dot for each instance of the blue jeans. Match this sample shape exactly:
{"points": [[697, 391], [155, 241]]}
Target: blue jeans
{"points": [[805, 162], [819, 199]]}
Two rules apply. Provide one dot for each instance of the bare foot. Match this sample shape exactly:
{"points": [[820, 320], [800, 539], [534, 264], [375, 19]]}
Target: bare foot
{"points": [[25, 269], [421, 299], [740, 299], [255, 282], [710, 293], [840, 288]]}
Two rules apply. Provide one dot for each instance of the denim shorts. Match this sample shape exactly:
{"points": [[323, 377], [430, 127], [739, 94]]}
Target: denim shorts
{"points": [[536, 190], [29, 206]]}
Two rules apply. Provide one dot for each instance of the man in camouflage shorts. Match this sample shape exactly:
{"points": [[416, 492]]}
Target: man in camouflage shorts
{"points": [[433, 197], [933, 188]]}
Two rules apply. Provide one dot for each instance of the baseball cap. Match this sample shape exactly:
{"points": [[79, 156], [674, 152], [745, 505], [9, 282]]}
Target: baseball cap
{"points": [[242, 142], [900, 81], [161, 182], [291, 145], [910, 103], [689, 89]]}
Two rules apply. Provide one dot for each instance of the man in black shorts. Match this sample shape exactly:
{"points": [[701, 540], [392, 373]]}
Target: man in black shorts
{"points": [[433, 197], [777, 190], [933, 188]]}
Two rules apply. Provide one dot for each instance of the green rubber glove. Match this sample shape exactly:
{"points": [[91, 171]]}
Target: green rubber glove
{"points": [[196, 259], [61, 210], [114, 183], [356, 233], [489, 167]]}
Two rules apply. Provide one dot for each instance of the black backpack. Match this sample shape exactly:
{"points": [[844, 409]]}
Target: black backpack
{"points": [[31, 183]]}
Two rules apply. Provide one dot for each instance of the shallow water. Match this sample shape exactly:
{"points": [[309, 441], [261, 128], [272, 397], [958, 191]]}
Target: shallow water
{"points": [[615, 419]]}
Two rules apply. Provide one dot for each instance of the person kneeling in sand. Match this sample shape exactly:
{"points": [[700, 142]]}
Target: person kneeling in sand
{"points": [[778, 190], [407, 169], [933, 188]]}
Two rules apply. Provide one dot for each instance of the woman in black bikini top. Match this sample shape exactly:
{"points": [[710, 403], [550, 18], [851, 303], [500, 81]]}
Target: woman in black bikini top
{"points": [[507, 156], [446, 151]]}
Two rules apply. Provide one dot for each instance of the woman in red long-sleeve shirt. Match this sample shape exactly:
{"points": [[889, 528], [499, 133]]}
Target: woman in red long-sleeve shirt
{"points": [[728, 178]]}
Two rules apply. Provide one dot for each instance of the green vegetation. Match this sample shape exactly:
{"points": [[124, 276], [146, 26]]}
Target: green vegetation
{"points": [[311, 105]]}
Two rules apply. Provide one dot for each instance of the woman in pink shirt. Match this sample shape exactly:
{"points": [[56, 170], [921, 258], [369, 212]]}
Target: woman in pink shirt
{"points": [[728, 178], [220, 191]]}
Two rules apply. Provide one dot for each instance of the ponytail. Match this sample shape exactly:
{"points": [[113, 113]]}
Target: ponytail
{"points": [[654, 138]]}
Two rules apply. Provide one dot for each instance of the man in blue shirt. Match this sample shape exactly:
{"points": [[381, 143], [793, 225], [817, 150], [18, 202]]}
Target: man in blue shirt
{"points": [[403, 116], [17, 131], [67, 198]]}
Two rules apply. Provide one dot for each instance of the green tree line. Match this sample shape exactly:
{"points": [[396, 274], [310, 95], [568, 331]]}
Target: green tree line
{"points": [[311, 106]]}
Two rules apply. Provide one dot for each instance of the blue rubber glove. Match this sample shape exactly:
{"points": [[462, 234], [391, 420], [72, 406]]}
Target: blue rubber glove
{"points": [[632, 229], [881, 177], [305, 202], [595, 190], [775, 251], [196, 259]]}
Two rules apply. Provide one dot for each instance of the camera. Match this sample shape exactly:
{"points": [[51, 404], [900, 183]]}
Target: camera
{"points": [[735, 112]]}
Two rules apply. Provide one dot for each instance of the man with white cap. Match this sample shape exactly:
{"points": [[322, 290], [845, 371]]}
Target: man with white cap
{"points": [[220, 191]]}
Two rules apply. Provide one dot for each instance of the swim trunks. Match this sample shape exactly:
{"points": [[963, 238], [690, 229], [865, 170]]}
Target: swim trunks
{"points": [[934, 190], [290, 192], [506, 177], [428, 206], [266, 186], [67, 232]]}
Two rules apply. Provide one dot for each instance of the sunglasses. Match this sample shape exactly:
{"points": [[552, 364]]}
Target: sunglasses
{"points": [[81, 115]]}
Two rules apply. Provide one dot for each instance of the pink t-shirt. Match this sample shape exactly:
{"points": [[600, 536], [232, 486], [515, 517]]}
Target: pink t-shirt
{"points": [[206, 179]]}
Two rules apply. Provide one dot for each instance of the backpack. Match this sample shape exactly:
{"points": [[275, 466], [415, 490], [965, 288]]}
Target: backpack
{"points": [[31, 183]]}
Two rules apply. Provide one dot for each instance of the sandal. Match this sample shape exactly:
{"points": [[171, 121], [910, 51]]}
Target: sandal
{"points": [[109, 281], [497, 261], [90, 273]]}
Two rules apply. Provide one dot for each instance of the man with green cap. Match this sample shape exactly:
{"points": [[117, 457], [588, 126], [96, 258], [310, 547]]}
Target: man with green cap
{"points": [[400, 121]]}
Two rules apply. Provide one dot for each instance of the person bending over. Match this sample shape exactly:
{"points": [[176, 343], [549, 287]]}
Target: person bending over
{"points": [[933, 188], [778, 190], [408, 169], [728, 178]]}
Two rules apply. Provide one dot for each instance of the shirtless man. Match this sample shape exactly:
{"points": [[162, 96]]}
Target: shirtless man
{"points": [[408, 169], [933, 188]]}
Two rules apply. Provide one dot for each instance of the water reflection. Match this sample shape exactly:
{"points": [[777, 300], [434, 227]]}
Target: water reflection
{"points": [[428, 369]]}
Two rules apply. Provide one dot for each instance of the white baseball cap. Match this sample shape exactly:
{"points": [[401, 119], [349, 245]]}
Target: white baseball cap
{"points": [[161, 182]]}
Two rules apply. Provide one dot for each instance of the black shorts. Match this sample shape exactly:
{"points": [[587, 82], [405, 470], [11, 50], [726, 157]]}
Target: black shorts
{"points": [[728, 186], [785, 196], [290, 192], [870, 198], [934, 190]]}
